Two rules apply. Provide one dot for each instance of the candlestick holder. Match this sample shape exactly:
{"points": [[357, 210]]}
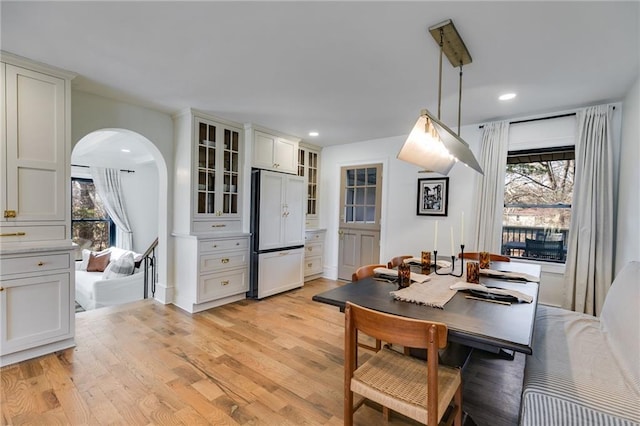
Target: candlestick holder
{"points": [[453, 263]]}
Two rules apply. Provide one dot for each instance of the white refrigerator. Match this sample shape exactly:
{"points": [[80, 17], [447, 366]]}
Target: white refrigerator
{"points": [[277, 233]]}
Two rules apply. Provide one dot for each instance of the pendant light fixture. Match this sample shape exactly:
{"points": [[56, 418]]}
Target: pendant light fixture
{"points": [[431, 144]]}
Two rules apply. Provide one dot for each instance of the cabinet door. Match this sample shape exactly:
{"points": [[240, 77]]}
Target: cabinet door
{"points": [[34, 311], [280, 271], [285, 156], [35, 146], [293, 226], [263, 150], [272, 210]]}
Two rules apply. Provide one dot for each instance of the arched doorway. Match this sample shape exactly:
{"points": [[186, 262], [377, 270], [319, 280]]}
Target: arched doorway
{"points": [[144, 184]]}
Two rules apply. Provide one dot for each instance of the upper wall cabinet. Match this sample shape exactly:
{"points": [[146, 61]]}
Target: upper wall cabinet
{"points": [[309, 167], [272, 151], [208, 174], [35, 151]]}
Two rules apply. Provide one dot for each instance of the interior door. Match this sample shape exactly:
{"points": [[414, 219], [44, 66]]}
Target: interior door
{"points": [[359, 232]]}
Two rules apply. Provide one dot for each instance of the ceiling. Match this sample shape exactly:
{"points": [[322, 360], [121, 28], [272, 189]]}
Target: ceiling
{"points": [[352, 71]]}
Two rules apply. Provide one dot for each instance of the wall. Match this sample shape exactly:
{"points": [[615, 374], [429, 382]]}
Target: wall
{"points": [[90, 113], [628, 226], [142, 203]]}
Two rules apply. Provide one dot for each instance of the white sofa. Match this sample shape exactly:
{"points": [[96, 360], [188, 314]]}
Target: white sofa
{"points": [[585, 370], [93, 291]]}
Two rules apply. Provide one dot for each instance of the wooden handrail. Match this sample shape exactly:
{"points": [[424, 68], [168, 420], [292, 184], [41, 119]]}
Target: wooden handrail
{"points": [[153, 245]]}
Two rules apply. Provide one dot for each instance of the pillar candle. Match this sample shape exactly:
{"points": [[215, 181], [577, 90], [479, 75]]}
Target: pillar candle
{"points": [[462, 229], [435, 237]]}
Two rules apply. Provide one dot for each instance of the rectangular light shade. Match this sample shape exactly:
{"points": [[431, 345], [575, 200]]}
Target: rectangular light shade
{"points": [[424, 148], [434, 146]]}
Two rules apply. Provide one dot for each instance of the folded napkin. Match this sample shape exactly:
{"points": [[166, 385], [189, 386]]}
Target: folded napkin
{"points": [[418, 261], [522, 297], [392, 273], [435, 293], [509, 275]]}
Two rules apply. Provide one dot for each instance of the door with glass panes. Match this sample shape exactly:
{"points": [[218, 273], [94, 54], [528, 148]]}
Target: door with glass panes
{"points": [[359, 232], [218, 170]]}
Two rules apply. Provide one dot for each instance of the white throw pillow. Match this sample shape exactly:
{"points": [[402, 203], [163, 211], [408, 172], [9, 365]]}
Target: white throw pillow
{"points": [[121, 267]]}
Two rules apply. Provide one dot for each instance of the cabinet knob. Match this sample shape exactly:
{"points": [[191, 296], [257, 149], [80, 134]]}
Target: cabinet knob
{"points": [[309, 265], [9, 213], [40, 263], [1, 288], [225, 282], [224, 260], [237, 244]]}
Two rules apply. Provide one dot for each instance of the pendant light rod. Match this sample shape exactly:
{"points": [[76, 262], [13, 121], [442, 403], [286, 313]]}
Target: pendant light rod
{"points": [[459, 98], [440, 71]]}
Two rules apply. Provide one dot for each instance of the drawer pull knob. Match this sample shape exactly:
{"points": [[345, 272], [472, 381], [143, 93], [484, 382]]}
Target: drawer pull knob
{"points": [[225, 282], [225, 260], [1, 288], [9, 213], [237, 244], [309, 265], [220, 225], [13, 234], [40, 263], [215, 245]]}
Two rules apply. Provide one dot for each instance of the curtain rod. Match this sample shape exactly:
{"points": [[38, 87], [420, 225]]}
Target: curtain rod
{"points": [[539, 118], [86, 167]]}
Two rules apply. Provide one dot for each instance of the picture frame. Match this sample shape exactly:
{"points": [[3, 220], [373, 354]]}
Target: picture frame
{"points": [[433, 197]]}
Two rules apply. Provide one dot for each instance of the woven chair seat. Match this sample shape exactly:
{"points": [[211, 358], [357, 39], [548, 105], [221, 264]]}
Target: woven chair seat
{"points": [[398, 382]]}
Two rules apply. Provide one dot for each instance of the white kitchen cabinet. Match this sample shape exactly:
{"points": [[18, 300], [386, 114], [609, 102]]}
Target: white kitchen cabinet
{"points": [[210, 271], [282, 195], [37, 314], [280, 271], [35, 153], [272, 151], [309, 168], [208, 174], [313, 253]]}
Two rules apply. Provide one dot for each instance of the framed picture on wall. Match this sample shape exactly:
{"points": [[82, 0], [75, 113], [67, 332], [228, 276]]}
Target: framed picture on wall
{"points": [[433, 196]]}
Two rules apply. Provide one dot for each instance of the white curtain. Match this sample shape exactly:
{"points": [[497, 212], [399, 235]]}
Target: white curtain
{"points": [[589, 264], [490, 187], [107, 183]]}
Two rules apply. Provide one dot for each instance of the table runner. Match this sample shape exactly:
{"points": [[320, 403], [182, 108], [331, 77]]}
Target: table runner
{"points": [[435, 293]]}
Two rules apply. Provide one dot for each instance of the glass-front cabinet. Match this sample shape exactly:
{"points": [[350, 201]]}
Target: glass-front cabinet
{"points": [[218, 169], [208, 174], [309, 167]]}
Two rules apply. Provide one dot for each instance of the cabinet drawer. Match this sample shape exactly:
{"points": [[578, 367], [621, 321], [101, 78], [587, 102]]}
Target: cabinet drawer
{"points": [[222, 261], [311, 236], [208, 246], [216, 286], [312, 265], [16, 234], [18, 265], [313, 249], [209, 226]]}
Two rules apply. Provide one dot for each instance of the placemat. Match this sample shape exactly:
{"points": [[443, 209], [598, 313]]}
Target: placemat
{"points": [[435, 293]]}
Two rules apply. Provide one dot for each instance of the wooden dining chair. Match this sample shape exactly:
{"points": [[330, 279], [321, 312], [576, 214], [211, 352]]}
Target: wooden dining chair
{"points": [[393, 263], [419, 389], [361, 273], [492, 257]]}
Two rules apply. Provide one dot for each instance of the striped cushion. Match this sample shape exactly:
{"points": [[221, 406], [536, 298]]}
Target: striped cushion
{"points": [[572, 378]]}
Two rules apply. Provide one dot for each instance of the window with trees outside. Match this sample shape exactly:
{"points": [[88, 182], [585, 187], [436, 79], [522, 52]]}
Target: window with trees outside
{"points": [[537, 203], [91, 226]]}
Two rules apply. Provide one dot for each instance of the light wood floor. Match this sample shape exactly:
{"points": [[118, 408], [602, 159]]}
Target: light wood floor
{"points": [[271, 362]]}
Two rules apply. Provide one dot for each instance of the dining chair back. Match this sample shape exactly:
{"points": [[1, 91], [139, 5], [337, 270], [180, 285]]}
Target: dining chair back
{"points": [[366, 271], [393, 263], [419, 389], [492, 257], [361, 273]]}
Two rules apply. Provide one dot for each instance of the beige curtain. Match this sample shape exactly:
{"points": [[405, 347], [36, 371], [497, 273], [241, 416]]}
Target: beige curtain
{"points": [[589, 265], [490, 187]]}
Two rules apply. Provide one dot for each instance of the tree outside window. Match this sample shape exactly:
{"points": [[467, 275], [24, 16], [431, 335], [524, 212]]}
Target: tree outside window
{"points": [[91, 226]]}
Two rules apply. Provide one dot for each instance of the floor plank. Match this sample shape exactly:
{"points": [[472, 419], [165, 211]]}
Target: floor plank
{"points": [[277, 361]]}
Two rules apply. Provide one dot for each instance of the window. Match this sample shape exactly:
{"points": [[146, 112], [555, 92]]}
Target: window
{"points": [[91, 226], [537, 203]]}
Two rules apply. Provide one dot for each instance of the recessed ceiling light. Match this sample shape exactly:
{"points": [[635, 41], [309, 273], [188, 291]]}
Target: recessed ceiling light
{"points": [[125, 150], [507, 96], [314, 134]]}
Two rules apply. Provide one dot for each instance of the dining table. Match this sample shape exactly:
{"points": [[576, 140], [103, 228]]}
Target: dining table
{"points": [[502, 328]]}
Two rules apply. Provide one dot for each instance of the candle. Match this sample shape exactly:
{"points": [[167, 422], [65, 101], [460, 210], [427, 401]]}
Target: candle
{"points": [[435, 237], [462, 229], [453, 249]]}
